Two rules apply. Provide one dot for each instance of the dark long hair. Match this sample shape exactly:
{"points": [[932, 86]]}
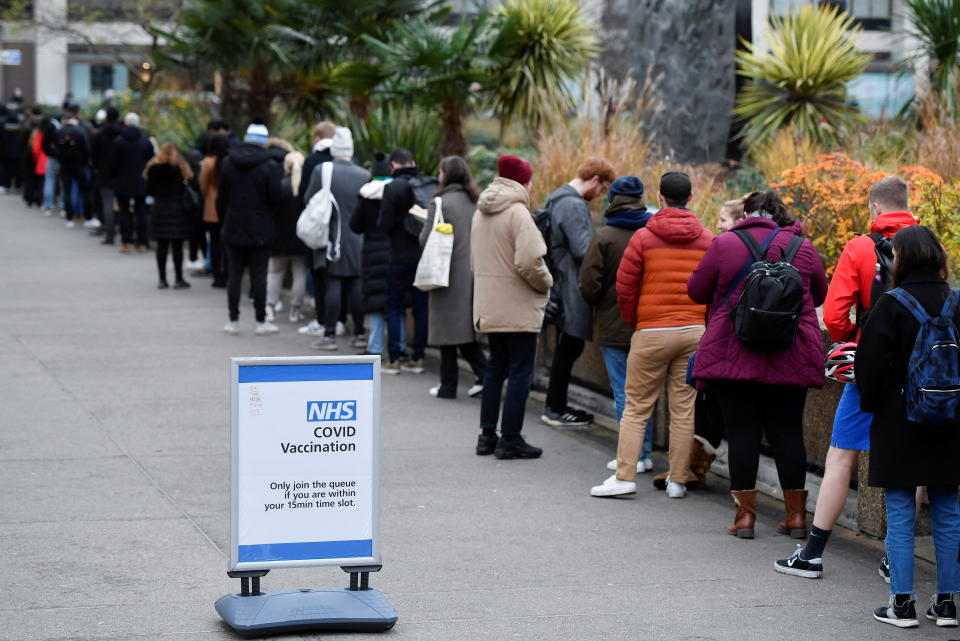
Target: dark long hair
{"points": [[916, 248], [219, 147], [769, 202], [456, 172]]}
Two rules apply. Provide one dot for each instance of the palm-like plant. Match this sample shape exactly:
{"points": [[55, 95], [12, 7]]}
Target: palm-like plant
{"points": [[438, 68], [802, 80], [935, 24], [542, 47]]}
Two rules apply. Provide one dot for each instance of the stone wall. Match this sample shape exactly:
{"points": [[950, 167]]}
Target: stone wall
{"points": [[689, 45]]}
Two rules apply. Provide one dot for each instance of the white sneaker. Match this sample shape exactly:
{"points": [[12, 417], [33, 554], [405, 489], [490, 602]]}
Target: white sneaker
{"points": [[279, 306], [614, 487], [313, 329], [641, 468], [48, 211], [341, 329], [475, 390], [647, 464], [70, 224], [435, 391], [232, 328], [269, 313], [266, 328], [295, 315], [676, 490]]}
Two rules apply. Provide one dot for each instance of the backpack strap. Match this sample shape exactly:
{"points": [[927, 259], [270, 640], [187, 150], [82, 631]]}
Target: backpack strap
{"points": [[950, 305], [907, 300], [755, 250], [791, 251]]}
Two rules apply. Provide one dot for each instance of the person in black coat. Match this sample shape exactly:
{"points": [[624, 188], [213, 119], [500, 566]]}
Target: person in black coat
{"points": [[247, 202], [288, 250], [129, 154], [166, 174], [398, 198], [905, 455], [100, 145]]}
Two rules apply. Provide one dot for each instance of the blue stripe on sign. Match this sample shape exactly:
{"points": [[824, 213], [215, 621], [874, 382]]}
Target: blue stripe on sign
{"points": [[306, 551], [294, 373]]}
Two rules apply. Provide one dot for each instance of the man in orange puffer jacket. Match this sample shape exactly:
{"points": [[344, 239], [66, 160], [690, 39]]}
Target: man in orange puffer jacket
{"points": [[652, 295]]}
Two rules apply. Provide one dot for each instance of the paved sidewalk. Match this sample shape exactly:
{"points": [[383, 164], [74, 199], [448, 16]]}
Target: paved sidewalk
{"points": [[114, 518]]}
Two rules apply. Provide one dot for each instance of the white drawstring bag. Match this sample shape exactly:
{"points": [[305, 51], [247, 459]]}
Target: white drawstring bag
{"points": [[433, 270], [313, 225]]}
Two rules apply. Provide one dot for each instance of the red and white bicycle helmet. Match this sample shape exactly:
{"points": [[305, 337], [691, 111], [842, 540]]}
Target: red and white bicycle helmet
{"points": [[839, 362]]}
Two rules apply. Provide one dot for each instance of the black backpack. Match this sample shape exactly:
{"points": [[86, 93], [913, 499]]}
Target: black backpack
{"points": [[543, 219], [768, 313], [70, 146], [883, 249], [423, 187]]}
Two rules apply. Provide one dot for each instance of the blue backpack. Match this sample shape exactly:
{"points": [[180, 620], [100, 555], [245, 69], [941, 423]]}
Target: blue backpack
{"points": [[932, 392]]}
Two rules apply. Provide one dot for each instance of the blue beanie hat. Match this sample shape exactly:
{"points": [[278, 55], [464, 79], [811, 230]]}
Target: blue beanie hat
{"points": [[626, 186]]}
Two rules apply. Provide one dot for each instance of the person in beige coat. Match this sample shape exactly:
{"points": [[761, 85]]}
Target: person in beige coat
{"points": [[511, 286]]}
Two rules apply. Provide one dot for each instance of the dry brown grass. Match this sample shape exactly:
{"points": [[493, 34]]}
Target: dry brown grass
{"points": [[938, 143], [784, 150]]}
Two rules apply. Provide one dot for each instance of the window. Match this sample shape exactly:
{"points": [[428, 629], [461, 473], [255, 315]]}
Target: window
{"points": [[874, 15], [101, 78], [15, 10], [119, 10], [783, 7]]}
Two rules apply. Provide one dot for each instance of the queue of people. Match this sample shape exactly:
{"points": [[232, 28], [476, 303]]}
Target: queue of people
{"points": [[727, 322]]}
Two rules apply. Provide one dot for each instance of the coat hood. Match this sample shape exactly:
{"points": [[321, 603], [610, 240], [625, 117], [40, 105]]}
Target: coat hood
{"points": [[675, 225], [248, 155], [892, 222], [500, 195], [131, 133], [111, 130], [373, 190]]}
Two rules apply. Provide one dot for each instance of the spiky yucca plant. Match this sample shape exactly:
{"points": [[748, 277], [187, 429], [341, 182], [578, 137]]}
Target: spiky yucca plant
{"points": [[802, 80], [542, 47]]}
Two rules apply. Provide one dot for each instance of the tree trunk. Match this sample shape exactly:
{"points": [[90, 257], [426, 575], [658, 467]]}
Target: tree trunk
{"points": [[451, 117], [260, 96], [360, 106]]}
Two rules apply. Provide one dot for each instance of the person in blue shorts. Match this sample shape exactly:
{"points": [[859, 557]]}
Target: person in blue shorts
{"points": [[861, 276]]}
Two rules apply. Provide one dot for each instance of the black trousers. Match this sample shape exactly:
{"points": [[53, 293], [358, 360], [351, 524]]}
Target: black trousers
{"points": [[336, 289], [255, 259], [569, 348], [163, 245], [198, 239], [512, 358], [319, 291], [708, 419], [128, 219], [754, 410], [216, 252], [450, 370]]}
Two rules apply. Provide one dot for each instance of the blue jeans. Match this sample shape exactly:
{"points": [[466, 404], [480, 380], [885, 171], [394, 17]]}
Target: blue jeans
{"points": [[50, 181], [945, 522], [378, 327], [615, 358], [400, 292]]}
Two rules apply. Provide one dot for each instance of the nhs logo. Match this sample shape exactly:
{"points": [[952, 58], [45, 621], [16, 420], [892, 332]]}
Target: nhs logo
{"points": [[331, 411]]}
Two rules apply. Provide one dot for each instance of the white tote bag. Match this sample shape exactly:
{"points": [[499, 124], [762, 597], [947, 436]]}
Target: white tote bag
{"points": [[433, 270], [313, 225]]}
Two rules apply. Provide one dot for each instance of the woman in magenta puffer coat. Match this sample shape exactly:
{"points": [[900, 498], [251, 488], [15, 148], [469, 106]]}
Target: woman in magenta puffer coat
{"points": [[760, 392]]}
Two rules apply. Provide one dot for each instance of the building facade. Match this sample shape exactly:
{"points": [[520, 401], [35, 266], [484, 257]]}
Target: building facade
{"points": [[80, 47]]}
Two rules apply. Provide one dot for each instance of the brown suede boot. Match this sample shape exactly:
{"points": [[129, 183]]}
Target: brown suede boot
{"points": [[746, 502], [795, 507], [700, 462]]}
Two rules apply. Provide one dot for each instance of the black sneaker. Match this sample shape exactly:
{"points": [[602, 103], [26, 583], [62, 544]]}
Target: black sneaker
{"points": [[510, 447], [943, 610], [567, 418], [884, 569], [486, 444], [797, 566], [901, 612]]}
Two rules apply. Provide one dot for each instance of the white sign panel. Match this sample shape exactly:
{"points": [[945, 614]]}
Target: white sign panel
{"points": [[10, 57], [304, 461]]}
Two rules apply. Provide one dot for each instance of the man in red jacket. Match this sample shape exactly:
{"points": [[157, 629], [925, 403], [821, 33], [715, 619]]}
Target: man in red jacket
{"points": [[853, 287], [652, 295]]}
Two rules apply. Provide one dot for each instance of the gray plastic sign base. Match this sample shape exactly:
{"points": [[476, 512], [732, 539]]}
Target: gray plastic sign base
{"points": [[276, 612]]}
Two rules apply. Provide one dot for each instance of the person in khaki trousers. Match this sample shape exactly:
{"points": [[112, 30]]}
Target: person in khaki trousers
{"points": [[652, 295]]}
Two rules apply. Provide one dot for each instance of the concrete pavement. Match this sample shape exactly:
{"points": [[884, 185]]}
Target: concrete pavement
{"points": [[114, 449]]}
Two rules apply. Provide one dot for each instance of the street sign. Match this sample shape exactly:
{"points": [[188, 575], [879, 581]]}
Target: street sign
{"points": [[305, 458], [11, 57], [304, 491]]}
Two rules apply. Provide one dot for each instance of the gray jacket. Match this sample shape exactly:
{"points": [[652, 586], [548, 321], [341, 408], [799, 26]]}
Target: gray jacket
{"points": [[570, 231], [347, 180], [451, 308]]}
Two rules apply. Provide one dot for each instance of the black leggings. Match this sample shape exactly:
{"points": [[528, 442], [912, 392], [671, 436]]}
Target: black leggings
{"points": [[238, 260], [216, 252], [569, 348], [754, 410], [336, 289], [450, 370], [162, 245]]}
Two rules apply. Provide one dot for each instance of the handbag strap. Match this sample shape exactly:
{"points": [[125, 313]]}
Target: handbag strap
{"points": [[438, 218]]}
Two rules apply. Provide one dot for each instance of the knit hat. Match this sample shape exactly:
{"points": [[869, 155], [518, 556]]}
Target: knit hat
{"points": [[131, 120], [101, 116], [626, 186], [514, 168], [381, 165], [257, 134], [342, 145]]}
